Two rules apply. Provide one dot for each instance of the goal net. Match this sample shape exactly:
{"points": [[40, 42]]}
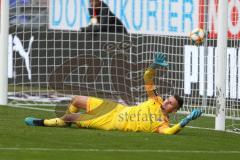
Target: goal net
{"points": [[61, 48]]}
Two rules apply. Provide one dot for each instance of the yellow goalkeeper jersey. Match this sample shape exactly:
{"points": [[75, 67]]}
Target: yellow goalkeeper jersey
{"points": [[146, 117], [109, 115]]}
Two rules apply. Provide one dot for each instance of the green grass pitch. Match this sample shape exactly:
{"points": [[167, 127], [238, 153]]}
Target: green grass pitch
{"points": [[21, 142]]}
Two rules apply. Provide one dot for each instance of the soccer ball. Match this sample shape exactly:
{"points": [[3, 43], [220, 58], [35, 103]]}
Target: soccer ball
{"points": [[197, 36], [94, 21]]}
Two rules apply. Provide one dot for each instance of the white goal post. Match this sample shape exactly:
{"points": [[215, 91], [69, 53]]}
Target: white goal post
{"points": [[4, 27], [221, 65]]}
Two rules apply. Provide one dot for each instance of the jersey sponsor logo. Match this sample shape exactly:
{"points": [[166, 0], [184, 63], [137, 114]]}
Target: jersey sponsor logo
{"points": [[155, 92]]}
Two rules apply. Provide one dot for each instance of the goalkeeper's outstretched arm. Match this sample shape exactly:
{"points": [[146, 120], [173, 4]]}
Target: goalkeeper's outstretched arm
{"points": [[165, 129], [149, 84], [159, 61]]}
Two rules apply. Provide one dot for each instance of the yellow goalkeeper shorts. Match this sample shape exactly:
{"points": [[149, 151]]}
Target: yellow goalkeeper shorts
{"points": [[100, 114]]}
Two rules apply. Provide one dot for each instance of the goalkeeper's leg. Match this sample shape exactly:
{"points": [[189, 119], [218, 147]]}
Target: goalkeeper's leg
{"points": [[77, 103], [64, 121]]}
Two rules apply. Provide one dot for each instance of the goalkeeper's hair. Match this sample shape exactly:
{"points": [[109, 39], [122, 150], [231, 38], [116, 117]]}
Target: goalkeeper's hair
{"points": [[179, 100]]}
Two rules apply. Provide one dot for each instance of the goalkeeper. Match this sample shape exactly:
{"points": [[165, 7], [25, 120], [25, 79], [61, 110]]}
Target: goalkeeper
{"points": [[149, 116]]}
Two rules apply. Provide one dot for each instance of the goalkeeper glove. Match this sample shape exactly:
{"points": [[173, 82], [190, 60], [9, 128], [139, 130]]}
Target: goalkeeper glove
{"points": [[193, 115], [159, 60]]}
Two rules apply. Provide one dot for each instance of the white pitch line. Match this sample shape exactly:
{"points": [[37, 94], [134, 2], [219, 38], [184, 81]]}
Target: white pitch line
{"points": [[121, 150], [32, 108], [211, 129]]}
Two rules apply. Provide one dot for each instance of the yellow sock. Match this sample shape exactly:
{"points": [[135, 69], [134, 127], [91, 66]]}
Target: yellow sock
{"points": [[72, 109], [55, 122]]}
